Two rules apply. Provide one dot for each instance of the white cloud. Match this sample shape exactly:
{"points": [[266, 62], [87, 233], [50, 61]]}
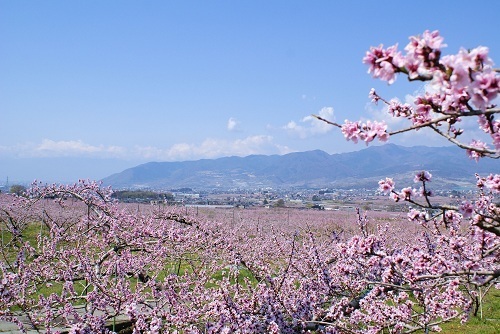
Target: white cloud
{"points": [[74, 148], [209, 148], [311, 126], [65, 147], [62, 148], [13, 150], [283, 149], [320, 127], [233, 124], [213, 148]]}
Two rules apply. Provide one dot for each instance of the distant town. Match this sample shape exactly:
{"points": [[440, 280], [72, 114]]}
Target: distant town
{"points": [[320, 199]]}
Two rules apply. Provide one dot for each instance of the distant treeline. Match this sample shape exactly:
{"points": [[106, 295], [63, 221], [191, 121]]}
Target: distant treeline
{"points": [[141, 195]]}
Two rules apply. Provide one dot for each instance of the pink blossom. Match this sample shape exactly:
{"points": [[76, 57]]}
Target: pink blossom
{"points": [[384, 63], [425, 50], [432, 40], [479, 56], [492, 182], [397, 109], [453, 101], [496, 139], [466, 209], [412, 66], [416, 215], [460, 66], [395, 197], [374, 129], [453, 219], [476, 155], [423, 110], [373, 95], [436, 328], [407, 193], [366, 131], [489, 125], [484, 89], [386, 185], [422, 191], [422, 176], [351, 130]]}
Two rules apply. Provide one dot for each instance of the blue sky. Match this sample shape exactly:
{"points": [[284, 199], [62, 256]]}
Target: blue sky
{"points": [[88, 88]]}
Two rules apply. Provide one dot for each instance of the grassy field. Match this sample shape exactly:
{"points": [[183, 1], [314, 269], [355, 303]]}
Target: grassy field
{"points": [[489, 323]]}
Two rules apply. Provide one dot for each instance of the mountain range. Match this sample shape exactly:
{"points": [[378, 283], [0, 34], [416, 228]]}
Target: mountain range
{"points": [[312, 169]]}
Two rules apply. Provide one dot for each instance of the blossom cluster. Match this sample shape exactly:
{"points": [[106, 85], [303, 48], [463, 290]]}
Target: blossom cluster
{"points": [[462, 85], [366, 132]]}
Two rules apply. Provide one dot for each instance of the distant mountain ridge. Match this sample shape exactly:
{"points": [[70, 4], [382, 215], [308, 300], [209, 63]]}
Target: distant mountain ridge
{"points": [[311, 169]]}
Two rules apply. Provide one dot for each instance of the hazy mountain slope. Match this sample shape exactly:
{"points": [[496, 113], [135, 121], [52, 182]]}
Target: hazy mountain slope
{"points": [[307, 169]]}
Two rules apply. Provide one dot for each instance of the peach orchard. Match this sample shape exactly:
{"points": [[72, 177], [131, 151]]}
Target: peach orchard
{"points": [[72, 259]]}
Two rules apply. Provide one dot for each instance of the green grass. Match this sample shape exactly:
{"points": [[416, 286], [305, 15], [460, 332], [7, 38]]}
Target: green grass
{"points": [[242, 277], [490, 322]]}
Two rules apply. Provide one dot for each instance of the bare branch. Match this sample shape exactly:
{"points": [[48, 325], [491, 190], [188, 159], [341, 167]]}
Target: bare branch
{"points": [[485, 152], [327, 121]]}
